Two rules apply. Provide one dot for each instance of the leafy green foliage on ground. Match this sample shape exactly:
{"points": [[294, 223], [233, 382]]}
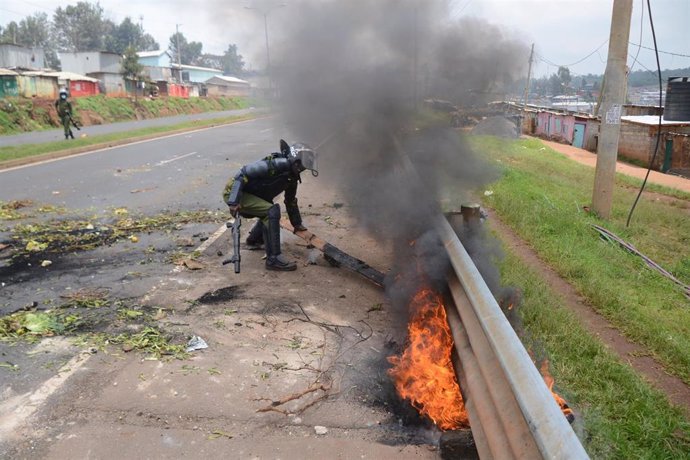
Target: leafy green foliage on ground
{"points": [[19, 115]]}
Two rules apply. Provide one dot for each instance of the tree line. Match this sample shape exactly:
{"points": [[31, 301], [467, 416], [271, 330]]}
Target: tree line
{"points": [[563, 83], [83, 27]]}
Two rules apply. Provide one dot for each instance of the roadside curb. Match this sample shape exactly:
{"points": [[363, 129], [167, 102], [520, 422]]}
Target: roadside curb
{"points": [[118, 143]]}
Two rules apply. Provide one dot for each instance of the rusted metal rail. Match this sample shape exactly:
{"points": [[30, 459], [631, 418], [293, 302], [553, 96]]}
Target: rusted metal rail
{"points": [[512, 413]]}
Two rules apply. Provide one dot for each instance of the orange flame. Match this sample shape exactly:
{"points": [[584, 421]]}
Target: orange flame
{"points": [[424, 374], [548, 379]]}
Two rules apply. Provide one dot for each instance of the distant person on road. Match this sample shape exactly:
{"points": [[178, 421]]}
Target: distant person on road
{"points": [[64, 111], [250, 193]]}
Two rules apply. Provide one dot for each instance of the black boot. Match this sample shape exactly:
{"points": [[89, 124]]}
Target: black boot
{"points": [[274, 259], [71, 134], [255, 239]]}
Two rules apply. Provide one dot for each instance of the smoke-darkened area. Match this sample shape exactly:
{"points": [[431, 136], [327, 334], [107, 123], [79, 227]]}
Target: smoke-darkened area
{"points": [[351, 77]]}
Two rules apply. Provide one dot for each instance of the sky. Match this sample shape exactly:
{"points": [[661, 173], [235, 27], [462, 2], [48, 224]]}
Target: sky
{"points": [[565, 32]]}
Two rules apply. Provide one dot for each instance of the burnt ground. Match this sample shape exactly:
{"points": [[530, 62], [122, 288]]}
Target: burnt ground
{"points": [[295, 365]]}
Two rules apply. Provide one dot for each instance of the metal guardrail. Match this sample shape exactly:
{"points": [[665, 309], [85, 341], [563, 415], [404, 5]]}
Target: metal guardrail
{"points": [[512, 412]]}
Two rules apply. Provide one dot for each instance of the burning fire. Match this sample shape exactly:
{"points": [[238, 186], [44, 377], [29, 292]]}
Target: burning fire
{"points": [[548, 379], [424, 374]]}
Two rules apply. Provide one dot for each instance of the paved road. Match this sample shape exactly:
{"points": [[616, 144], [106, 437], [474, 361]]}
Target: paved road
{"points": [[38, 137], [118, 405], [175, 172]]}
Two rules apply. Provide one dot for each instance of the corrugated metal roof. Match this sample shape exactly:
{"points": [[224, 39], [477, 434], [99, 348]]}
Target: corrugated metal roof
{"points": [[8, 72], [61, 75], [193, 67], [151, 53], [229, 79], [652, 120]]}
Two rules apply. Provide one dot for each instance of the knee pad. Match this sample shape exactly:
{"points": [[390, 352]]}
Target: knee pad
{"points": [[274, 212]]}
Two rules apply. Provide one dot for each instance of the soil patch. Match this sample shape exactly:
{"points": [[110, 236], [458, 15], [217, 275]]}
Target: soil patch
{"points": [[635, 355]]}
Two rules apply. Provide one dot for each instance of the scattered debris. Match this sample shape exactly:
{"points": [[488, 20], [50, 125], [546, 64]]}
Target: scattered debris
{"points": [[139, 190], [192, 264], [320, 430], [219, 434], [196, 343], [10, 366], [30, 326], [375, 307], [86, 298], [32, 242], [337, 255], [46, 263], [151, 341]]}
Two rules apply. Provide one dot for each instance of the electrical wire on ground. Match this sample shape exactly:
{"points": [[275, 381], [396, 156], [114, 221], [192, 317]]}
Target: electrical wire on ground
{"points": [[658, 132]]}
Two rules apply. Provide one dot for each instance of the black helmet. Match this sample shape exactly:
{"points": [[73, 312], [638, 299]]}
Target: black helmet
{"points": [[301, 153]]}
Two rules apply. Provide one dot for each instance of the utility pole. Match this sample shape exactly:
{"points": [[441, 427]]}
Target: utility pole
{"points": [[524, 100], [268, 54], [415, 59], [265, 13], [613, 99], [179, 59]]}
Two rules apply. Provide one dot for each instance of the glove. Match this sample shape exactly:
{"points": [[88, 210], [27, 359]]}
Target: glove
{"points": [[234, 209]]}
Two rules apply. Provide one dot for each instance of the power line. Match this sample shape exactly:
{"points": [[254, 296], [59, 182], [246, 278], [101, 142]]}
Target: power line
{"points": [[542, 58], [37, 6], [10, 11], [661, 52], [640, 40]]}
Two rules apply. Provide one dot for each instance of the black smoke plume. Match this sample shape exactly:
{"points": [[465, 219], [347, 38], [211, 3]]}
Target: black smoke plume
{"points": [[352, 75]]}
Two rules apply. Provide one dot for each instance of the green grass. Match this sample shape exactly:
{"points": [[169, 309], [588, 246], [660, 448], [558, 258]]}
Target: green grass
{"points": [[18, 115], [541, 196], [619, 416], [29, 150]]}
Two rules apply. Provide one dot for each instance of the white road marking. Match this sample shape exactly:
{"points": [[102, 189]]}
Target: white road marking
{"points": [[266, 130], [16, 410], [218, 233], [161, 163]]}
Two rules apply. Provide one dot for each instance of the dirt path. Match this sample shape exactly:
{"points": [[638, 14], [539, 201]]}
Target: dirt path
{"points": [[635, 355], [590, 159]]}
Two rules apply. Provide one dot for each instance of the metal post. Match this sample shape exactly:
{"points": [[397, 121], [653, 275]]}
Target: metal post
{"points": [[179, 59], [612, 106], [529, 75], [268, 55]]}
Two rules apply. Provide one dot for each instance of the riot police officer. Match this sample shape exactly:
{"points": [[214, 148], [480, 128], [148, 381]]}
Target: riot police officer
{"points": [[64, 111], [252, 190]]}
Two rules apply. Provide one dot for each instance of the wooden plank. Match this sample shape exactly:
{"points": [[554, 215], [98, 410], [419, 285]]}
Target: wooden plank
{"points": [[336, 255]]}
